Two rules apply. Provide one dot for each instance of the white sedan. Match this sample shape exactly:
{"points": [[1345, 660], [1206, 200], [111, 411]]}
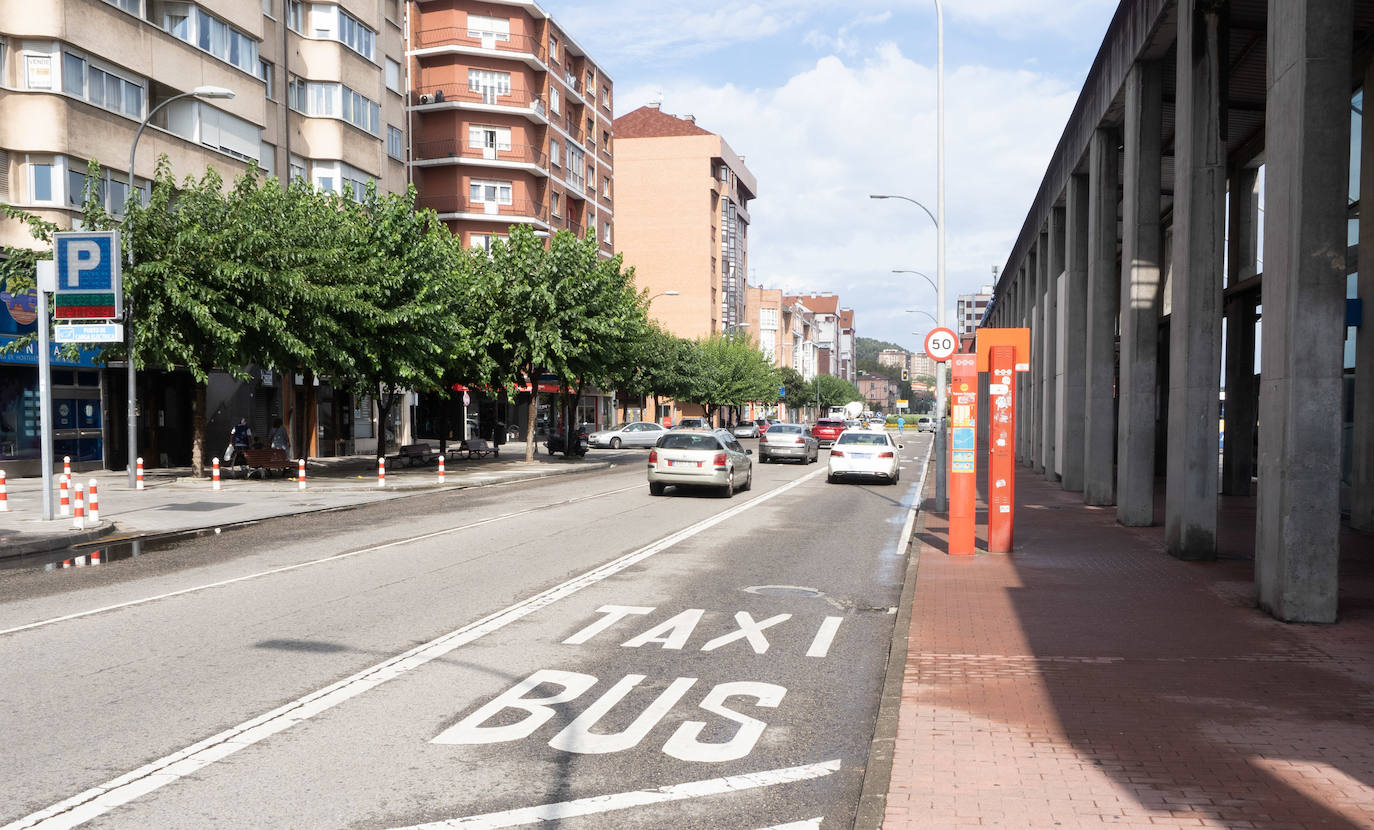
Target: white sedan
{"points": [[865, 453], [635, 434]]}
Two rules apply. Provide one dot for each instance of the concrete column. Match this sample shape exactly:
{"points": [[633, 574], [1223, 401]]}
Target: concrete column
{"points": [[1141, 250], [1104, 289], [1036, 283], [1069, 442], [1362, 441], [1053, 240], [1242, 392], [1190, 502], [1307, 151]]}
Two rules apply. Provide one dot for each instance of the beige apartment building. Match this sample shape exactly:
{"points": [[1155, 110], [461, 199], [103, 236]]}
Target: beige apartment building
{"points": [[511, 122], [684, 197], [317, 91]]}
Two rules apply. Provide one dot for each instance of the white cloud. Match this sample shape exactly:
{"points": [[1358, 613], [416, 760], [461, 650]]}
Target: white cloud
{"points": [[831, 135]]}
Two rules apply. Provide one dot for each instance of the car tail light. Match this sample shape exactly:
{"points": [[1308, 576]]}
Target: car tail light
{"points": [[720, 461], [797, 439], [834, 453], [884, 455], [653, 456]]}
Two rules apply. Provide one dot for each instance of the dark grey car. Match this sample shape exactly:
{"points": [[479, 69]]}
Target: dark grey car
{"points": [[792, 441]]}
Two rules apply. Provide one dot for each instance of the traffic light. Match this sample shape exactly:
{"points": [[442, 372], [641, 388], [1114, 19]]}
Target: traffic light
{"points": [[906, 376]]}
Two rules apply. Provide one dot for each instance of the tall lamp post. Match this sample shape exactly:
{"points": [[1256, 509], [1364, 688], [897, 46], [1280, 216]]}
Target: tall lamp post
{"points": [[919, 274], [198, 92]]}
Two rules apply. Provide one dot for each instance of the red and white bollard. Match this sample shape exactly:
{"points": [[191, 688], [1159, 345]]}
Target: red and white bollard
{"points": [[79, 514], [4, 494], [67, 466], [96, 557], [214, 475], [441, 469], [138, 475], [64, 502], [93, 501], [381, 472], [300, 474]]}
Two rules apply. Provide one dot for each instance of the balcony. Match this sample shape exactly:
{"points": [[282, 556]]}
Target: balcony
{"points": [[461, 41], [517, 101], [456, 206], [452, 151]]}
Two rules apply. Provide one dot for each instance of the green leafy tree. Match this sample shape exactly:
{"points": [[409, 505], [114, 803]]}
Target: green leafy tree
{"points": [[733, 372], [830, 391]]}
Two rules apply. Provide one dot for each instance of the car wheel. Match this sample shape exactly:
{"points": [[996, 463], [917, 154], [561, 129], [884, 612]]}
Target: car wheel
{"points": [[728, 489], [615, 443], [830, 478], [656, 488], [748, 479]]}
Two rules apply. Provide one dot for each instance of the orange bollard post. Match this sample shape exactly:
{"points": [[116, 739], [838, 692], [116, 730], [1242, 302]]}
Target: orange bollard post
{"points": [[4, 494], [963, 466], [381, 472], [64, 503], [92, 502], [214, 475], [300, 474], [1002, 449], [441, 471], [138, 475], [79, 513]]}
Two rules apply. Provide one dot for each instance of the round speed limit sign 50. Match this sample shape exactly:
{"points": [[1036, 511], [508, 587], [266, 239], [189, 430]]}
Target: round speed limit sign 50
{"points": [[941, 344]]}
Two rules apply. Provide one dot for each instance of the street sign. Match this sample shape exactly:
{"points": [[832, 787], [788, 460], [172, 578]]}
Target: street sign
{"points": [[901, 403], [941, 344], [782, 391], [88, 333], [89, 285]]}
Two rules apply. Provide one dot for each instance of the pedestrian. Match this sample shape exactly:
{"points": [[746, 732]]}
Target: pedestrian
{"points": [[901, 424], [240, 439], [279, 439]]}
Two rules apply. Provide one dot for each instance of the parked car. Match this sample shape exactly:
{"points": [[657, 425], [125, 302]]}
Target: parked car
{"points": [[691, 423], [747, 429], [864, 453], [925, 423], [633, 434], [764, 424], [788, 441], [827, 430], [700, 458], [877, 423]]}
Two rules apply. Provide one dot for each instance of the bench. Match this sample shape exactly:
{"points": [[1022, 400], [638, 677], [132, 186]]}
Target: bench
{"points": [[265, 461], [412, 454], [476, 448]]}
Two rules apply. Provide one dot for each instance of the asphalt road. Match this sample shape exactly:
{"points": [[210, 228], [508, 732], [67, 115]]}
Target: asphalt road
{"points": [[572, 651]]}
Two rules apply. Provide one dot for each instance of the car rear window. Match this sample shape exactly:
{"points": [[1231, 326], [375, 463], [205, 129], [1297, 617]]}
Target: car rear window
{"points": [[863, 438], [679, 441], [781, 428], [839, 424]]}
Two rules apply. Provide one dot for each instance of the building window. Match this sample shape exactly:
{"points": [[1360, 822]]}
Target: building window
{"points": [[101, 88], [488, 28], [554, 152], [295, 16], [768, 319], [352, 182], [210, 34], [605, 187], [130, 6], [481, 191], [556, 200], [41, 177], [606, 232], [553, 100], [606, 99], [488, 138], [319, 99], [490, 85], [38, 72], [393, 75], [265, 73], [330, 22], [197, 121], [112, 188], [267, 7], [394, 145], [553, 48], [393, 10], [575, 166]]}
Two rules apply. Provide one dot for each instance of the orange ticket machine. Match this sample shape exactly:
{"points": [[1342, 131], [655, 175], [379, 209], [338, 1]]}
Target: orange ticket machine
{"points": [[963, 454], [1002, 353]]}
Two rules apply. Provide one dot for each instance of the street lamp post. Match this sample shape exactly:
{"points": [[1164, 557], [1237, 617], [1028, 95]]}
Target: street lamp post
{"points": [[198, 92], [941, 495], [919, 274]]}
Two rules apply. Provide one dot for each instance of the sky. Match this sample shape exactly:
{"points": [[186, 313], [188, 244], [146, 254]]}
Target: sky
{"points": [[830, 102]]}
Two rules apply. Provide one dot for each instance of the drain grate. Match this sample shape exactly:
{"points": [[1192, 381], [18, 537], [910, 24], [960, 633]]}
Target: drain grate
{"points": [[783, 591]]}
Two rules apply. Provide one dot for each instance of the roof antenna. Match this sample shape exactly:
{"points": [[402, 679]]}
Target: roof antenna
{"points": [[657, 101]]}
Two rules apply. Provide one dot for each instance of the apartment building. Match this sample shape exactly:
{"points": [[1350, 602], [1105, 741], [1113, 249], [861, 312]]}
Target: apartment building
{"points": [[511, 122], [826, 309], [802, 332], [968, 310], [763, 310], [848, 356], [317, 92], [684, 199]]}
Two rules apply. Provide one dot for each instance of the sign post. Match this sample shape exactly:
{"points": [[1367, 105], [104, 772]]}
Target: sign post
{"points": [[47, 281], [963, 464], [1002, 449]]}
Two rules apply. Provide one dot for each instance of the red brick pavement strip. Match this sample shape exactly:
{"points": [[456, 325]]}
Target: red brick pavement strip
{"points": [[1091, 679]]}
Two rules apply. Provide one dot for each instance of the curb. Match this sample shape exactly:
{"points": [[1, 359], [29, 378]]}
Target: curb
{"points": [[878, 772], [106, 528]]}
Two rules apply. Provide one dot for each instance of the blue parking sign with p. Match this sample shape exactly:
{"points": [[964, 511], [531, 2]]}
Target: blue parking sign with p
{"points": [[87, 261]]}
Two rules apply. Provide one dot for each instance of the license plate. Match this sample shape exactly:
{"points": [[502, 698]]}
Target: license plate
{"points": [[863, 455]]}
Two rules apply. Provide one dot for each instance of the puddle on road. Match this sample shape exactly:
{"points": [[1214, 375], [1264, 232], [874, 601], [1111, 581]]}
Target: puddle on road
{"points": [[93, 554]]}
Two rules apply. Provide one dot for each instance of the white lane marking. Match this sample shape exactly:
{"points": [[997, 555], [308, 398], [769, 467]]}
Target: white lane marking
{"points": [[809, 824], [105, 797], [638, 798], [916, 503], [820, 646], [336, 557]]}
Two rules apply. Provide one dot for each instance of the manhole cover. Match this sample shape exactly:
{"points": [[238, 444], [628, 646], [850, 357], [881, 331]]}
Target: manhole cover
{"points": [[783, 591]]}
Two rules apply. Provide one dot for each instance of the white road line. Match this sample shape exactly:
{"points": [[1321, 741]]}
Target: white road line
{"points": [[915, 505], [336, 557], [641, 798], [105, 797], [809, 824]]}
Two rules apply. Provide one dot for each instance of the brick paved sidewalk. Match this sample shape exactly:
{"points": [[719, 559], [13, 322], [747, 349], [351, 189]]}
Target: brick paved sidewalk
{"points": [[1092, 679]]}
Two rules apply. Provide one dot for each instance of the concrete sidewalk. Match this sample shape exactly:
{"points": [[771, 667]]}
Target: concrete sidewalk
{"points": [[1090, 678], [173, 501]]}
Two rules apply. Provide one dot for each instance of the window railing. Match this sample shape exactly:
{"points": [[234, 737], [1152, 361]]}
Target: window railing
{"points": [[458, 36], [453, 148], [460, 203], [461, 93]]}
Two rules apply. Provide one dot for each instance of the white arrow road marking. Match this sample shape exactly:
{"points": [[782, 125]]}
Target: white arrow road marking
{"points": [[99, 800], [809, 824], [336, 557], [641, 798]]}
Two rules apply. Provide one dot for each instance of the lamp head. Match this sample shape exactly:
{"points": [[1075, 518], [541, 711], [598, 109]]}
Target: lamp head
{"points": [[878, 196], [671, 293], [212, 92]]}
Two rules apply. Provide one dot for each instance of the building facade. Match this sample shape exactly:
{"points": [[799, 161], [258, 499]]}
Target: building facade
{"points": [[511, 122], [969, 308], [317, 92], [684, 197]]}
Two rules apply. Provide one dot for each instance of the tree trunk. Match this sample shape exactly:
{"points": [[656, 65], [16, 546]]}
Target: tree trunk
{"points": [[532, 415], [312, 414], [385, 400], [198, 430], [656, 408], [443, 425]]}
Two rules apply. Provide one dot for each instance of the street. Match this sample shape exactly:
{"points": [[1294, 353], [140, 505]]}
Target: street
{"points": [[570, 649]]}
